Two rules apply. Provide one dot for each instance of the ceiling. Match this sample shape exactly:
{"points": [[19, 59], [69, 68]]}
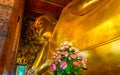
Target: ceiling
{"points": [[36, 8]]}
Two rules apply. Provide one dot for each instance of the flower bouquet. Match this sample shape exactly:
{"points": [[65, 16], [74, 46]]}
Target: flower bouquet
{"points": [[67, 60]]}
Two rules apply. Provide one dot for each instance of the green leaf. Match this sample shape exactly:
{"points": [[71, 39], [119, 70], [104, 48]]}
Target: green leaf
{"points": [[81, 72], [55, 73], [67, 49], [75, 73], [61, 70], [71, 61], [67, 70], [58, 73]]}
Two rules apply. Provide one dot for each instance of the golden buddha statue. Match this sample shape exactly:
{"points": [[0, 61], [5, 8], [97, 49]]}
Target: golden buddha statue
{"points": [[89, 24], [86, 24], [42, 28]]}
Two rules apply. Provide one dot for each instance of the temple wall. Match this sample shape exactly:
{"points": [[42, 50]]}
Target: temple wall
{"points": [[11, 12]]}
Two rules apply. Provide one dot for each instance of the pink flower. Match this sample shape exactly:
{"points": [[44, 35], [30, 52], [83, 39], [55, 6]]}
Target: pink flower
{"points": [[65, 53], [63, 64], [84, 66], [53, 67], [58, 57], [73, 56], [66, 46], [76, 50], [76, 63], [62, 48], [84, 62], [80, 55]]}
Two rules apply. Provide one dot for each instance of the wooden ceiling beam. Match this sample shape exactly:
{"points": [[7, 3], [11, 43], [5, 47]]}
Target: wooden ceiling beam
{"points": [[50, 7], [36, 13]]}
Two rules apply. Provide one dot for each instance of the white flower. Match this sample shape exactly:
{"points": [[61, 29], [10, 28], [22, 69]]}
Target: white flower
{"points": [[59, 60], [65, 43], [69, 58], [70, 49]]}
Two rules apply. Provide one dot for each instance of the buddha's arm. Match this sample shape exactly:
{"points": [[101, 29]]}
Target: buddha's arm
{"points": [[41, 62], [40, 56]]}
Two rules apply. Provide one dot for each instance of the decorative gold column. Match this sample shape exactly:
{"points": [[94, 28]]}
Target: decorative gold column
{"points": [[11, 13]]}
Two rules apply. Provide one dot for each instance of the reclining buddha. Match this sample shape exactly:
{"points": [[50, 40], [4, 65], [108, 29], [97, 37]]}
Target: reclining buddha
{"points": [[86, 24]]}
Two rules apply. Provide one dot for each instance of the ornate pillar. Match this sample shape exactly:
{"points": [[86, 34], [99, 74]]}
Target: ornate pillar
{"points": [[11, 13]]}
